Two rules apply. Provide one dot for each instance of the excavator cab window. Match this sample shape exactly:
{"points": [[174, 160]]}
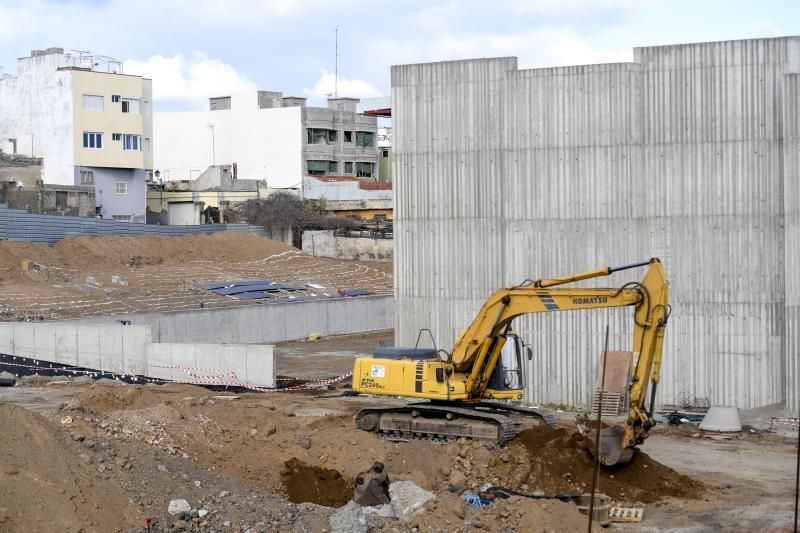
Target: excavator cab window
{"points": [[507, 374]]}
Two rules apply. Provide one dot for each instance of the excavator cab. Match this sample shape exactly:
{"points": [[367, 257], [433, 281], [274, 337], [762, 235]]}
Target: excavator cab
{"points": [[507, 376]]}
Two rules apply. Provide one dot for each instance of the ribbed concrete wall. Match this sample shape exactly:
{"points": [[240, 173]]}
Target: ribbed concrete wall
{"points": [[791, 161], [503, 175]]}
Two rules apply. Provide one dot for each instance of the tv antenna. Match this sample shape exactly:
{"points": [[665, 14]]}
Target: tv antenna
{"points": [[336, 65]]}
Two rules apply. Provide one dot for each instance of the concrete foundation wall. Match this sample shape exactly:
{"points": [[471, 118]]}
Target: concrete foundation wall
{"points": [[130, 350], [504, 174], [324, 243], [253, 324]]}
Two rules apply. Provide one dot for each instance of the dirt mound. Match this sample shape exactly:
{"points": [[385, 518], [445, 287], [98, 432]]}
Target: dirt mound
{"points": [[157, 249], [46, 487], [101, 398], [449, 513], [307, 483], [558, 462]]}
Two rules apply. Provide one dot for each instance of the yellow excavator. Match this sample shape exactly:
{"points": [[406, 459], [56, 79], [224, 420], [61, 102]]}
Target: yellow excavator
{"points": [[467, 389]]}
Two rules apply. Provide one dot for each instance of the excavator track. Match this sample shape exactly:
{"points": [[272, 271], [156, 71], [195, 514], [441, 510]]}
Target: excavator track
{"points": [[488, 421]]}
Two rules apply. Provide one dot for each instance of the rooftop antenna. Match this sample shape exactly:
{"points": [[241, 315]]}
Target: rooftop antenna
{"points": [[336, 65]]}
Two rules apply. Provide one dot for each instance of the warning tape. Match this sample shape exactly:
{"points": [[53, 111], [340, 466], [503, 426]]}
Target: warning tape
{"points": [[787, 421]]}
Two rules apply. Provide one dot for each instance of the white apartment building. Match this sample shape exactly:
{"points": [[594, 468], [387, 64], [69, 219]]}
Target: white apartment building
{"points": [[268, 137], [90, 123]]}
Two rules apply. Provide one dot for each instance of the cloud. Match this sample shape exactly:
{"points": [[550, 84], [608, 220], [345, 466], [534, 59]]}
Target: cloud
{"points": [[193, 79], [345, 87], [538, 48]]}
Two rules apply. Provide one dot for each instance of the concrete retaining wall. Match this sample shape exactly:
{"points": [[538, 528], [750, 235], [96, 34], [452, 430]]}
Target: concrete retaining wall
{"points": [[254, 324], [130, 350], [323, 243]]}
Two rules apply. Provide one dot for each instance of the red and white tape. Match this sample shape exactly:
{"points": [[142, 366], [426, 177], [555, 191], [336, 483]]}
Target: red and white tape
{"points": [[787, 421]]}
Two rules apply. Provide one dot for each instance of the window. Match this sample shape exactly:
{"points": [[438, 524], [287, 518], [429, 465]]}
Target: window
{"points": [[116, 136], [384, 153], [92, 139], [92, 102], [121, 187], [365, 138], [320, 168], [320, 136], [122, 218], [348, 136], [87, 177], [364, 170], [130, 105], [115, 98], [348, 167], [132, 142]]}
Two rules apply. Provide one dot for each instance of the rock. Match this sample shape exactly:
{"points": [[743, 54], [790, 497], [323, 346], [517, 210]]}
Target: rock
{"points": [[180, 524], [407, 498], [226, 523], [223, 494], [197, 484], [195, 513], [350, 518], [303, 442], [178, 506], [202, 512], [270, 430], [458, 481], [162, 468]]}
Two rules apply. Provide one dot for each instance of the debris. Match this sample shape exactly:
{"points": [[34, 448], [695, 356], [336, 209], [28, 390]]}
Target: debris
{"points": [[67, 420], [626, 514], [178, 506], [458, 481], [226, 397], [407, 498], [314, 337]]}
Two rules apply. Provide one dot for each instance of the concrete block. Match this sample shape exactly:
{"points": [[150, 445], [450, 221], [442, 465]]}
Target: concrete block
{"points": [[233, 358], [134, 355], [45, 339], [208, 356], [89, 351], [722, 418], [337, 317], [24, 340], [159, 358], [183, 355], [260, 365], [110, 339], [7, 339], [66, 340]]}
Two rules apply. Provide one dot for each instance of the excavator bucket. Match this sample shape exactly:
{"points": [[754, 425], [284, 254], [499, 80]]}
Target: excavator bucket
{"points": [[611, 451]]}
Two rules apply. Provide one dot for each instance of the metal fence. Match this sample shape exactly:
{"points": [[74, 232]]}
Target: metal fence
{"points": [[19, 225]]}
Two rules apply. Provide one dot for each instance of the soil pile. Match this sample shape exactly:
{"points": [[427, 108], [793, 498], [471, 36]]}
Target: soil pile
{"points": [[46, 487], [307, 483], [558, 462], [101, 398], [157, 249]]}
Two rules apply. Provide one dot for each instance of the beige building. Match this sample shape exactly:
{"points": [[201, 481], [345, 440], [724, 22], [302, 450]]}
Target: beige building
{"points": [[89, 122]]}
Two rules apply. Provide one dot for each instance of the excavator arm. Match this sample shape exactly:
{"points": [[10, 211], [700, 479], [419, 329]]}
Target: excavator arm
{"points": [[477, 349]]}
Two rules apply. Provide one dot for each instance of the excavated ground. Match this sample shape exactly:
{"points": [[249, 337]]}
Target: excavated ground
{"points": [[104, 455], [162, 273]]}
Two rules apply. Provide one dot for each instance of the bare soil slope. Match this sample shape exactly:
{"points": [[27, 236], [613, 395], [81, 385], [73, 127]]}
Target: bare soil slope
{"points": [[45, 487]]}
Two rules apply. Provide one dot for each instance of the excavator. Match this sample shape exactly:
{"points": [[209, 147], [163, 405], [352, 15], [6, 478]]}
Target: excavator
{"points": [[470, 391]]}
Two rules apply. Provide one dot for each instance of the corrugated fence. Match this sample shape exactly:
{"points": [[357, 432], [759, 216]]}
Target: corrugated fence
{"points": [[19, 225]]}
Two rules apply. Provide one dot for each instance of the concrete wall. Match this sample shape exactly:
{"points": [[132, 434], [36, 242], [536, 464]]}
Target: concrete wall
{"points": [[253, 324], [265, 143], [505, 174], [130, 350], [315, 188], [134, 203], [324, 243], [36, 109]]}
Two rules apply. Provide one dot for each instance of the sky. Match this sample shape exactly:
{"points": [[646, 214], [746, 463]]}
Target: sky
{"points": [[193, 49]]}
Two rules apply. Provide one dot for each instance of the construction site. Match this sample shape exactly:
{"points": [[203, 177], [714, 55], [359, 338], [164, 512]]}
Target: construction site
{"points": [[590, 323]]}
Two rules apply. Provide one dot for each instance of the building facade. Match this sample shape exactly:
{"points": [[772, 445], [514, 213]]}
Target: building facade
{"points": [[689, 153], [269, 137], [91, 125]]}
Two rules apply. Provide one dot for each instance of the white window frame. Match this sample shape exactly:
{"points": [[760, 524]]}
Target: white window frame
{"points": [[130, 101], [92, 98], [87, 177], [92, 137], [131, 142], [121, 190]]}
